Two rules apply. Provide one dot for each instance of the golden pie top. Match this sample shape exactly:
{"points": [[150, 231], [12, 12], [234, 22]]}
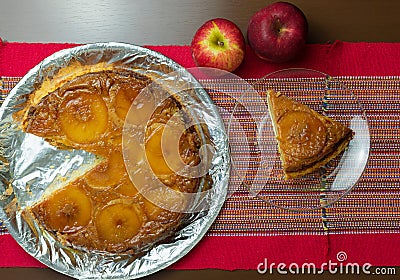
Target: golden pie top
{"points": [[102, 209], [302, 134], [306, 139]]}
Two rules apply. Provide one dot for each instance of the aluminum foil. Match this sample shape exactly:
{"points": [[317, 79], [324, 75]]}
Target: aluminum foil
{"points": [[29, 166]]}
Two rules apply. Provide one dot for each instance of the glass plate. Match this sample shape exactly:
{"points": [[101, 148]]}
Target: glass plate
{"points": [[260, 167]]}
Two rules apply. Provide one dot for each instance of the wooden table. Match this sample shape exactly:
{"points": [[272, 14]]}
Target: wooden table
{"points": [[173, 22]]}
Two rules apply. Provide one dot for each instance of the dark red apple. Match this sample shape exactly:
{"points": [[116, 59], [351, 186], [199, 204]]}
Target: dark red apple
{"points": [[218, 43], [278, 32]]}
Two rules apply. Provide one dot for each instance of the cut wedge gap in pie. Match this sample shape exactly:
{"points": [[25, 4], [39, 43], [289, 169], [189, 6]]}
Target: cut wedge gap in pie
{"points": [[306, 139]]}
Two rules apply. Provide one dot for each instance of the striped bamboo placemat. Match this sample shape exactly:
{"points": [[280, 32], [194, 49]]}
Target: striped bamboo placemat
{"points": [[373, 206]]}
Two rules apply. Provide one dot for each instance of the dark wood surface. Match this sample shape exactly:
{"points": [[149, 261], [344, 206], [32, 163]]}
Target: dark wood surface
{"points": [[170, 22], [165, 22], [207, 274]]}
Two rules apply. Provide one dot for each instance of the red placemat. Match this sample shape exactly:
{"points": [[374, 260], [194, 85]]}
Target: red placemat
{"points": [[339, 58], [248, 231]]}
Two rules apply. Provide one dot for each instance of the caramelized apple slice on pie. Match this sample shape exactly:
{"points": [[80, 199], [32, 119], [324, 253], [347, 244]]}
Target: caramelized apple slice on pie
{"points": [[306, 139]]}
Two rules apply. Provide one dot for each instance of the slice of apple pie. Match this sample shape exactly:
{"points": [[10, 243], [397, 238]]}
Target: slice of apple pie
{"points": [[306, 139]]}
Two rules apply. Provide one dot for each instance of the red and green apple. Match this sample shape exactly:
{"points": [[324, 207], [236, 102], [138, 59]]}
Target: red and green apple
{"points": [[218, 43]]}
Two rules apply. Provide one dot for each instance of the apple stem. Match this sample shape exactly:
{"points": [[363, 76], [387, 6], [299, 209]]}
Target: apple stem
{"points": [[277, 25], [220, 43]]}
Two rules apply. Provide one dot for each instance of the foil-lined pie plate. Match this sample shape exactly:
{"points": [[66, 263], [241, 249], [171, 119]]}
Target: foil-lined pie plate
{"points": [[28, 165]]}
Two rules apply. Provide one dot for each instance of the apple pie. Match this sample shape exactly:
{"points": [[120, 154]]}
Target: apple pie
{"points": [[306, 140], [84, 107]]}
